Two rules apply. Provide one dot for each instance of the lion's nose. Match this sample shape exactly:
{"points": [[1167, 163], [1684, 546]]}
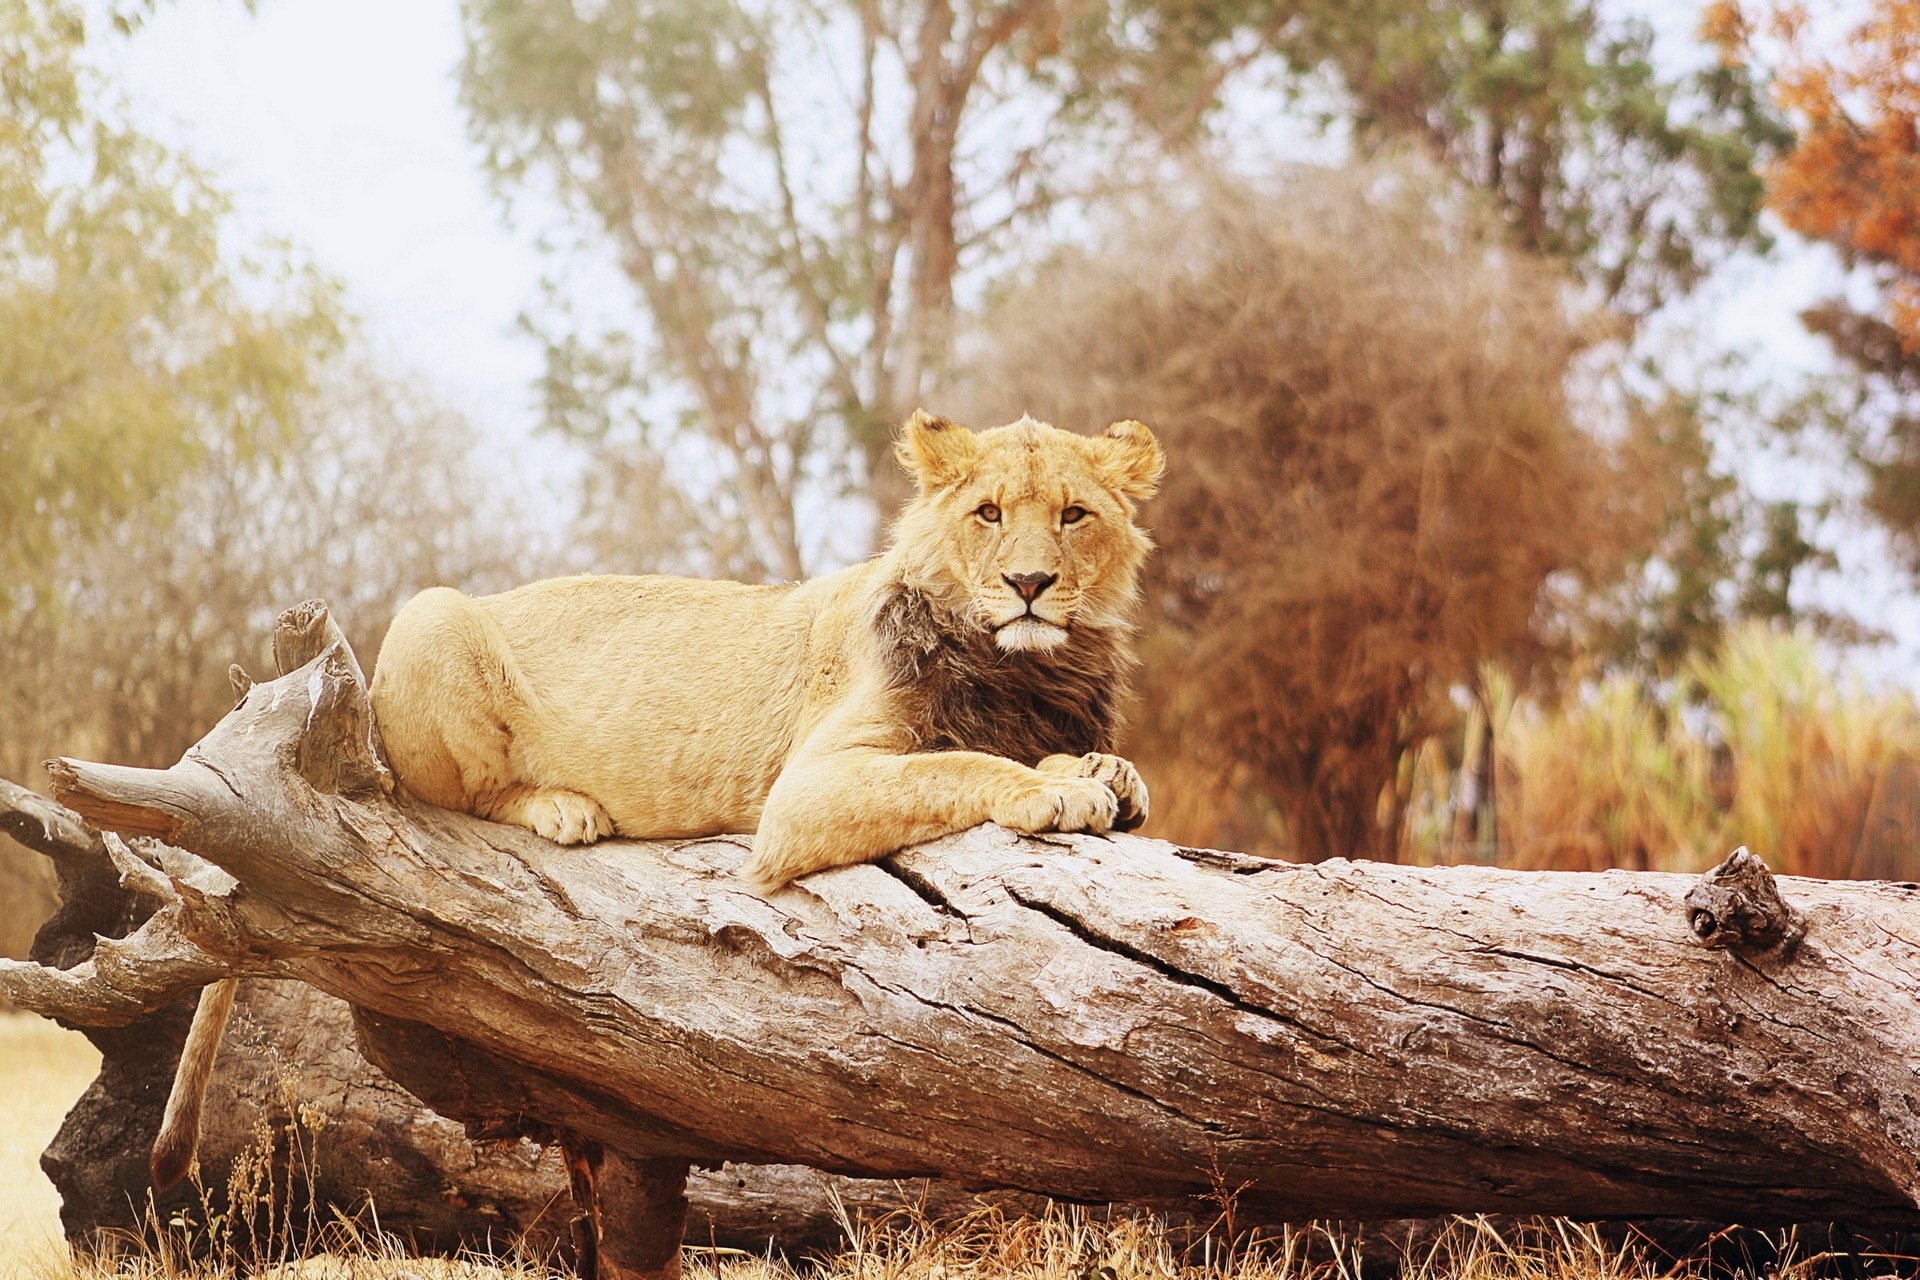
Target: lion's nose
{"points": [[1030, 585]]}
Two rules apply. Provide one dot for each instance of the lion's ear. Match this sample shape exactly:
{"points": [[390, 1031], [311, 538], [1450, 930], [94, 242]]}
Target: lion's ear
{"points": [[935, 451], [1131, 459]]}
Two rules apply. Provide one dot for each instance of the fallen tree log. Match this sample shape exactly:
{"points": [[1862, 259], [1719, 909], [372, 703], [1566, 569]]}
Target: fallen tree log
{"points": [[1097, 1019], [291, 1051], [98, 1159]]}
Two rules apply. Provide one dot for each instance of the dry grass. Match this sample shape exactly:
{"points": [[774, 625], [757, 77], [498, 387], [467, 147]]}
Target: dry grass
{"points": [[1065, 1243], [1761, 745]]}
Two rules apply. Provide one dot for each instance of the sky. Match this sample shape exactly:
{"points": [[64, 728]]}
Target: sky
{"points": [[334, 124]]}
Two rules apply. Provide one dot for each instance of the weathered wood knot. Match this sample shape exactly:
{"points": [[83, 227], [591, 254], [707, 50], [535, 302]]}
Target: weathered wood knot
{"points": [[1738, 905]]}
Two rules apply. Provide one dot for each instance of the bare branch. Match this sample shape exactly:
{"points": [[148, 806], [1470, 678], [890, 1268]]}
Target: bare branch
{"points": [[799, 269], [132, 976]]}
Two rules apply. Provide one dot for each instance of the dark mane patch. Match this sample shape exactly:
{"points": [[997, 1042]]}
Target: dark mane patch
{"points": [[958, 690]]}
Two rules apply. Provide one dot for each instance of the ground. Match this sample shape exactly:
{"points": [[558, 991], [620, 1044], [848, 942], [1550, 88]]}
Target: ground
{"points": [[43, 1069]]}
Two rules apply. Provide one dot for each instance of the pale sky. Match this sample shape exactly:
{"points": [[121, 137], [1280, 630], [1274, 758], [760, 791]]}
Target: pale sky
{"points": [[334, 124]]}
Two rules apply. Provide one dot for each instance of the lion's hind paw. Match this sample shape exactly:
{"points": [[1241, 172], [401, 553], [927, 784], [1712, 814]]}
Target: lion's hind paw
{"points": [[564, 817]]}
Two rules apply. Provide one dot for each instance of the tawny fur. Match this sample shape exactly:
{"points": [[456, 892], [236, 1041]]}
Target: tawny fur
{"points": [[841, 719], [179, 1137]]}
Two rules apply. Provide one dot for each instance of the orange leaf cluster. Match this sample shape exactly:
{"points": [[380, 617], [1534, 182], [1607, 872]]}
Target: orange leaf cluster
{"points": [[1853, 177]]}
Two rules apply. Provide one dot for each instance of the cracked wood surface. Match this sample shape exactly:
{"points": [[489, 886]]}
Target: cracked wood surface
{"points": [[434, 1188], [1101, 1019]]}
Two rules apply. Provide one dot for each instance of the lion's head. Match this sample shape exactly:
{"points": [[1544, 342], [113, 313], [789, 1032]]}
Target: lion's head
{"points": [[1025, 531]]}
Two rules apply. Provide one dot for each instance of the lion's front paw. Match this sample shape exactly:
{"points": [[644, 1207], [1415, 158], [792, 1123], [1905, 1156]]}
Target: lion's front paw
{"points": [[565, 817], [1119, 775], [1060, 804]]}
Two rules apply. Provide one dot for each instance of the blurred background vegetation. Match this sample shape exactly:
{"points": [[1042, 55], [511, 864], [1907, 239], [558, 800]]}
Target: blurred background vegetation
{"points": [[1455, 563]]}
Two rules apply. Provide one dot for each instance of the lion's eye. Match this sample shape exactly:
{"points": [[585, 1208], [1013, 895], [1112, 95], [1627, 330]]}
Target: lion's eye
{"points": [[1073, 515], [988, 512]]}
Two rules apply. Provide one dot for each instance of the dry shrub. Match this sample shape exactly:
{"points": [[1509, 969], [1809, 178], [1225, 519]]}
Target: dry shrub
{"points": [[1372, 473]]}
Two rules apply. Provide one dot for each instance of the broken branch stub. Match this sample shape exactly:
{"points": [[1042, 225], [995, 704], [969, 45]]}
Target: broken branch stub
{"points": [[341, 752], [1738, 905], [1089, 1018]]}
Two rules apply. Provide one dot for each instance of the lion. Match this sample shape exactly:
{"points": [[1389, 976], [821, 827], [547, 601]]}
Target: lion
{"points": [[972, 672]]}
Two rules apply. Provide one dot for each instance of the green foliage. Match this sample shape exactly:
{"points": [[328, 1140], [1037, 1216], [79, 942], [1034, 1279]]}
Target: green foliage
{"points": [[1704, 554], [1873, 409], [626, 115], [1641, 181], [127, 343]]}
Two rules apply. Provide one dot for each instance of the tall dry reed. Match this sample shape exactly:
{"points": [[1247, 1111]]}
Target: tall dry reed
{"points": [[1761, 745]]}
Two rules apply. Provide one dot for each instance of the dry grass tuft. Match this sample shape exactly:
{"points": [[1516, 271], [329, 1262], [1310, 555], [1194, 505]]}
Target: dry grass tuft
{"points": [[1760, 745], [1065, 1243]]}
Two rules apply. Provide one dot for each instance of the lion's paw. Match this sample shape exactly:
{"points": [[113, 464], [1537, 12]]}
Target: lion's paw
{"points": [[565, 817], [1060, 804], [1119, 775]]}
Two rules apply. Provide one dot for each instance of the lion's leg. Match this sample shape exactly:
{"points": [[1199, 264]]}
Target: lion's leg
{"points": [[564, 817], [832, 808], [1119, 775], [450, 700]]}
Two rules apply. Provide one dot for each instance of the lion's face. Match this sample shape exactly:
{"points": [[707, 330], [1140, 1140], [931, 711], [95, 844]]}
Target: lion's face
{"points": [[1025, 530]]}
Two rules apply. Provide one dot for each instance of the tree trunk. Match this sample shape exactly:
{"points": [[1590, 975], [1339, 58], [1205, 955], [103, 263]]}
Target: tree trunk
{"points": [[1095, 1019]]}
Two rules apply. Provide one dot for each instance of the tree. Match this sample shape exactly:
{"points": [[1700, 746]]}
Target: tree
{"points": [[1641, 182], [372, 497], [1710, 555], [790, 192], [797, 300], [1852, 177], [131, 350], [1371, 478], [128, 343], [1852, 180]]}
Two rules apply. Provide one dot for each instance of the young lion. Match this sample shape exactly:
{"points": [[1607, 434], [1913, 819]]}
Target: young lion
{"points": [[970, 673]]}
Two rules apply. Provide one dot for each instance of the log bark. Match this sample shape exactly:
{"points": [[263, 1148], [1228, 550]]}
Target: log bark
{"points": [[291, 1046], [1095, 1019]]}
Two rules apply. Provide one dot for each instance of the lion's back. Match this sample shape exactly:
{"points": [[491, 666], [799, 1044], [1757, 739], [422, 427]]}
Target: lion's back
{"points": [[672, 700]]}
